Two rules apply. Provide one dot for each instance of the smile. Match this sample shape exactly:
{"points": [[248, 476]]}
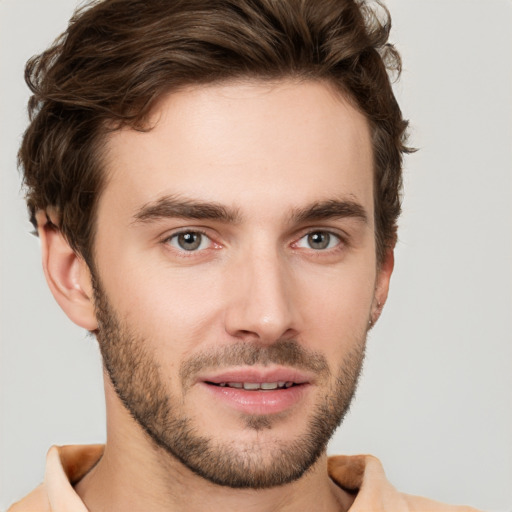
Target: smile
{"points": [[257, 391]]}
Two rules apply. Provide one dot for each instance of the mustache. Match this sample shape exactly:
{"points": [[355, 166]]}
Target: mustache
{"points": [[283, 352]]}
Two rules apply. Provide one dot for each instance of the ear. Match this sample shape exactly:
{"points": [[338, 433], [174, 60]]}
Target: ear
{"points": [[67, 274], [384, 272]]}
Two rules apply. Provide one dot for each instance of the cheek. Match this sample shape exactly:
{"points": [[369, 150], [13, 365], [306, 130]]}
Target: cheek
{"points": [[176, 310], [172, 309], [336, 305]]}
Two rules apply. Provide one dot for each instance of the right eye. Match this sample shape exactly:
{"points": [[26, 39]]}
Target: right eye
{"points": [[189, 241]]}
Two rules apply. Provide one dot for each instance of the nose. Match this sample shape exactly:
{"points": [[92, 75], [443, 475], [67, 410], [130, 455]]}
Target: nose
{"points": [[262, 306]]}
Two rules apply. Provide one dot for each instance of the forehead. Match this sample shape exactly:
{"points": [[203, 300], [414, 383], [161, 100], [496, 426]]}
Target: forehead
{"points": [[264, 147]]}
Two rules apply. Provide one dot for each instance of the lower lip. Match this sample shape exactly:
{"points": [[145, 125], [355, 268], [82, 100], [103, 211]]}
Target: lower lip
{"points": [[258, 402]]}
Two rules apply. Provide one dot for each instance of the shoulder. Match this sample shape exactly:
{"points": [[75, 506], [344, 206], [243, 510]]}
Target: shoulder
{"points": [[36, 501], [65, 465], [364, 476], [419, 504]]}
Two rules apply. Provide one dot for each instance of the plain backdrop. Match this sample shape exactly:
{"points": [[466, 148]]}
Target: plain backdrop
{"points": [[435, 401]]}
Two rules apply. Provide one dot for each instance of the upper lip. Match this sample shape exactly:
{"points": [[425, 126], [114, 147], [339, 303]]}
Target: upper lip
{"points": [[257, 375]]}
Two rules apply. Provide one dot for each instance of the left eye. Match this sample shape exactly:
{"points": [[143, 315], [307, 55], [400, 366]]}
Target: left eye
{"points": [[319, 240], [189, 241]]}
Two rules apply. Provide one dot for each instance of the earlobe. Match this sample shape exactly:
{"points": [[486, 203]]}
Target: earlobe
{"points": [[382, 285], [67, 274]]}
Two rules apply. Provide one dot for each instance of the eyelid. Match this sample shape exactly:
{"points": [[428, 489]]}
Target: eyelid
{"points": [[337, 238], [183, 230], [169, 233], [342, 236]]}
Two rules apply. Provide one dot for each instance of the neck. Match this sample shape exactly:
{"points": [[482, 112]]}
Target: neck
{"points": [[135, 475]]}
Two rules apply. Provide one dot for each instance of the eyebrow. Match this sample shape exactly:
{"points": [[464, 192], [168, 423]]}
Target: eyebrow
{"points": [[330, 209], [175, 207]]}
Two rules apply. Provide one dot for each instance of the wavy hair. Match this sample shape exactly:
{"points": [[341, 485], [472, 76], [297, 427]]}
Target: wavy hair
{"points": [[118, 57]]}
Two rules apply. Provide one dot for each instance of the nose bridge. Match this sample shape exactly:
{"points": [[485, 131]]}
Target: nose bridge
{"points": [[262, 305]]}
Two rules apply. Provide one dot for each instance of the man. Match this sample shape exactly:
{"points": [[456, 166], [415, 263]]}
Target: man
{"points": [[216, 189]]}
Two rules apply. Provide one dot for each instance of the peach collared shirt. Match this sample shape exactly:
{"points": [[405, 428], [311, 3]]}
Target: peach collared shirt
{"points": [[361, 474]]}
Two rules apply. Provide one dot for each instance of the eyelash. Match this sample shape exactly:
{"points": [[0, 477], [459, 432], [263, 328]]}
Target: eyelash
{"points": [[342, 242], [183, 252]]}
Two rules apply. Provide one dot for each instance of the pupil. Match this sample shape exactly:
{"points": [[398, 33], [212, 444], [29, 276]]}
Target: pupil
{"points": [[319, 240], [189, 241]]}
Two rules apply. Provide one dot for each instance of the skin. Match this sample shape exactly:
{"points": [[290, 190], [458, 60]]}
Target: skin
{"points": [[265, 152]]}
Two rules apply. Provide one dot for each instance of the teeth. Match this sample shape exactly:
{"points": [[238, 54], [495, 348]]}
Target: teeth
{"points": [[252, 386]]}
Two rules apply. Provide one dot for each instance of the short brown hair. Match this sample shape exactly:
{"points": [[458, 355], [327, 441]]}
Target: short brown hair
{"points": [[118, 57]]}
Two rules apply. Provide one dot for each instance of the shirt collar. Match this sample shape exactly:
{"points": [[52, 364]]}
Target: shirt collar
{"points": [[361, 474]]}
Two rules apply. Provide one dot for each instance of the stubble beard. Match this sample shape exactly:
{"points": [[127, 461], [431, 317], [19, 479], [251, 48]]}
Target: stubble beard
{"points": [[135, 376]]}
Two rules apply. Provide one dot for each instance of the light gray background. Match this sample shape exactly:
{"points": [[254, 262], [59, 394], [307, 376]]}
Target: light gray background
{"points": [[435, 402]]}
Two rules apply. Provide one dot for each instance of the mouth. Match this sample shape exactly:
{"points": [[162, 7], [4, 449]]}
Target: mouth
{"points": [[258, 378], [255, 386], [257, 391]]}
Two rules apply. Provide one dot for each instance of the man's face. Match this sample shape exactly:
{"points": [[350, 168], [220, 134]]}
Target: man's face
{"points": [[236, 275]]}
